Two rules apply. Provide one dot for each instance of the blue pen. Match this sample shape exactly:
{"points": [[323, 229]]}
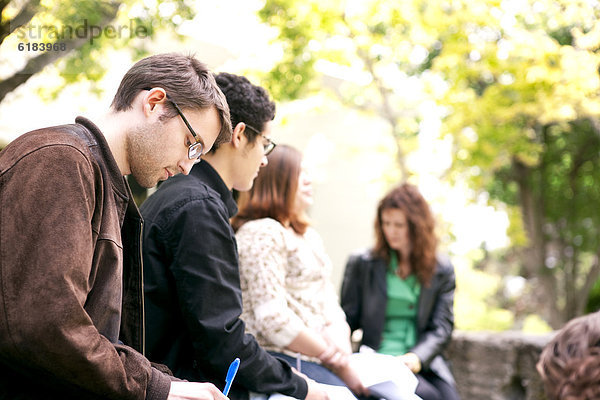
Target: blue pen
{"points": [[230, 375]]}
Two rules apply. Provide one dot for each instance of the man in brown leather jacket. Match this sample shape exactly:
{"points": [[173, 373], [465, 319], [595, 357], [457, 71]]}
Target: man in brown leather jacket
{"points": [[71, 290]]}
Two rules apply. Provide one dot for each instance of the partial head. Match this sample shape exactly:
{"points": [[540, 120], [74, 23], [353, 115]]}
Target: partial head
{"points": [[252, 113], [275, 191], [404, 224], [248, 104], [570, 363], [178, 112]]}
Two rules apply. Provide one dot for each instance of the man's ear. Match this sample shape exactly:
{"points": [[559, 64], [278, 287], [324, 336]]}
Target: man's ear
{"points": [[153, 97], [239, 137]]}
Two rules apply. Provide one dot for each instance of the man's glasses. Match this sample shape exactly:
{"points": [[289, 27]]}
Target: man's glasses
{"points": [[268, 146], [196, 149]]}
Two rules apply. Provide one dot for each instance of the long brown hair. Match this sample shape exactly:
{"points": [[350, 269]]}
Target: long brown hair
{"points": [[421, 225], [570, 363], [273, 194]]}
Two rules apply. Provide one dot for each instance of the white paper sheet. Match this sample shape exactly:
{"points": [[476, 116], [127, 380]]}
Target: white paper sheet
{"points": [[385, 376]]}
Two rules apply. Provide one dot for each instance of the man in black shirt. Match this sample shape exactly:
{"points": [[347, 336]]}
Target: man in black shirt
{"points": [[192, 287]]}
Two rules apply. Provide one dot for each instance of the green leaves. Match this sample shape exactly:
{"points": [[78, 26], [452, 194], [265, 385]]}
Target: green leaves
{"points": [[520, 88], [84, 30]]}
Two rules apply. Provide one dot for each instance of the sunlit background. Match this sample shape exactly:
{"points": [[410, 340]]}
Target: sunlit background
{"points": [[466, 94]]}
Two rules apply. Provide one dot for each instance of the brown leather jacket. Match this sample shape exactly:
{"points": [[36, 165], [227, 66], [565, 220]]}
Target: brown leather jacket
{"points": [[70, 272]]}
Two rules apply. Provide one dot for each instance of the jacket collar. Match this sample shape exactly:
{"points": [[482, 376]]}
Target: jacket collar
{"points": [[99, 147], [207, 174]]}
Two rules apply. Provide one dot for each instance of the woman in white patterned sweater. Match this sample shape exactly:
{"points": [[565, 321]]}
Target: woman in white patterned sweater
{"points": [[289, 302]]}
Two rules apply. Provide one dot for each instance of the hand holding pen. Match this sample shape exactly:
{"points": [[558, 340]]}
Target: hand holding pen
{"points": [[194, 391], [203, 391]]}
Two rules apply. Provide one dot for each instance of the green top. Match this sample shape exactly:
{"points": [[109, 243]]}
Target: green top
{"points": [[400, 329]]}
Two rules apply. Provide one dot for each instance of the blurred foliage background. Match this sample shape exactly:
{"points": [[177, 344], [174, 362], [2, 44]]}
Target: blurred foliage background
{"points": [[511, 88], [517, 86]]}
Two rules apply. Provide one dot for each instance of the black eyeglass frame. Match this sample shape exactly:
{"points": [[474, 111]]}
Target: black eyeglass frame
{"points": [[268, 148], [199, 143]]}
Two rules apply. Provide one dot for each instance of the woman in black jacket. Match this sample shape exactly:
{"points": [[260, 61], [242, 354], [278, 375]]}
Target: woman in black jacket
{"points": [[402, 295]]}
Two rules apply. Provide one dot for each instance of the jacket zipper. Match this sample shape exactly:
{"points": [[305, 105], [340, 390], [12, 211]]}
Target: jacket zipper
{"points": [[141, 227]]}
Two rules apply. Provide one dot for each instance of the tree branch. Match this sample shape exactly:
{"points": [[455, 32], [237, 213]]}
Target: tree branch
{"points": [[44, 59], [3, 4], [35, 65], [580, 159], [595, 124], [22, 18], [386, 108]]}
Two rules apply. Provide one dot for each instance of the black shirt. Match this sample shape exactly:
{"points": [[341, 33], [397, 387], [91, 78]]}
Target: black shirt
{"points": [[192, 289]]}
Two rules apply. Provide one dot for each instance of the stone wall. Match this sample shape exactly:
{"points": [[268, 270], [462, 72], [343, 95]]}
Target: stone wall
{"points": [[497, 366]]}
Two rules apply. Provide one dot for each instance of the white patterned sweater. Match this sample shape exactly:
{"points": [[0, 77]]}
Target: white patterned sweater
{"points": [[285, 280]]}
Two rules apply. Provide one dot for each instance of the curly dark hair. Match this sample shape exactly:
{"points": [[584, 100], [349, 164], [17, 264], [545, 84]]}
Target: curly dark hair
{"points": [[248, 103], [570, 363], [421, 224]]}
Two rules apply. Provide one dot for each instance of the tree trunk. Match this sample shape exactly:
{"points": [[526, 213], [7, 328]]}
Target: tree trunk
{"points": [[580, 280], [534, 260]]}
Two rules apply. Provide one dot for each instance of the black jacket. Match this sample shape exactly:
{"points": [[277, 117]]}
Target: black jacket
{"points": [[192, 289], [364, 300]]}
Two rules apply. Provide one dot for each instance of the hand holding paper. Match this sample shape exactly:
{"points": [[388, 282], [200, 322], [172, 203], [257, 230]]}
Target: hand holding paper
{"points": [[385, 376], [412, 362]]}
